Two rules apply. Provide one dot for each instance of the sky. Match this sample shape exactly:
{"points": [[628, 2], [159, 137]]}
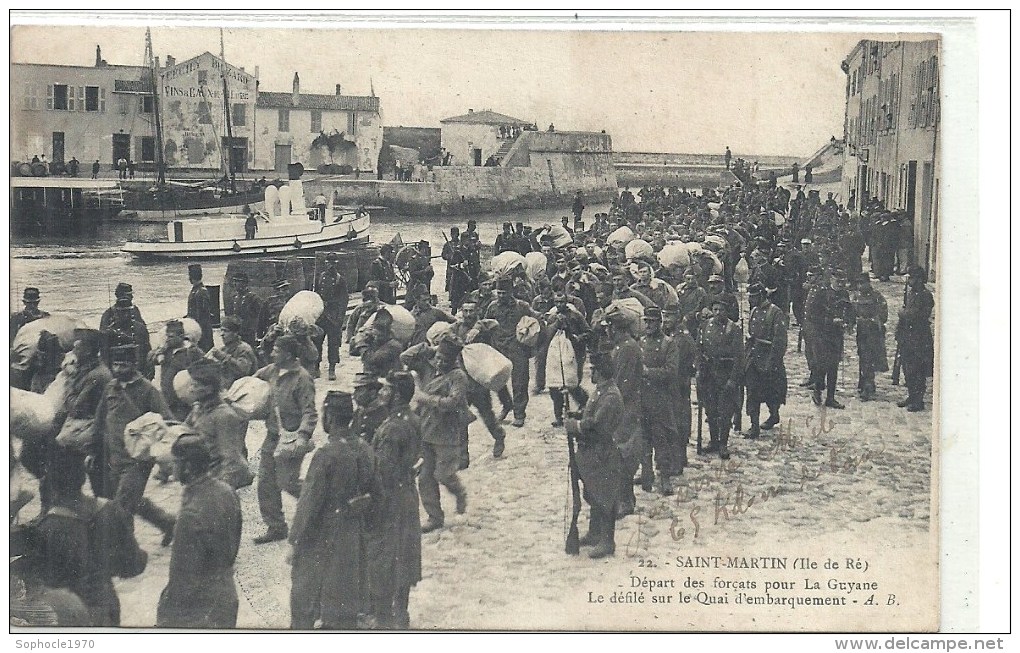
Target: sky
{"points": [[651, 88]]}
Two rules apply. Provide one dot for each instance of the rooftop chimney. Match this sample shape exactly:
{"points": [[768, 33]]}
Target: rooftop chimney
{"points": [[99, 57], [338, 90], [297, 90], [170, 61], [471, 110]]}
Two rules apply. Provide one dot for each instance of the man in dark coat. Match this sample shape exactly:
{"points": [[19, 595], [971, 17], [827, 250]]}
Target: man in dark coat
{"points": [[247, 309], [765, 376], [369, 409], [680, 386], [661, 359], [329, 575], [599, 462], [122, 324], [381, 271], [457, 279], [270, 314], [31, 312], [221, 426], [395, 530], [630, 438], [470, 329], [914, 336], [332, 287], [126, 398], [885, 238], [176, 355], [504, 241], [720, 363], [379, 350], [827, 310], [80, 543], [200, 591], [200, 307], [871, 312], [236, 357]]}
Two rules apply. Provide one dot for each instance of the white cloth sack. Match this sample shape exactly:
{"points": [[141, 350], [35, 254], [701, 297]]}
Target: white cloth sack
{"points": [[621, 236], [534, 264], [305, 304], [249, 397], [403, 322], [560, 236], [674, 253], [185, 387], [638, 248], [142, 433], [487, 366], [528, 330], [32, 415], [504, 262], [27, 341], [561, 364], [436, 330]]}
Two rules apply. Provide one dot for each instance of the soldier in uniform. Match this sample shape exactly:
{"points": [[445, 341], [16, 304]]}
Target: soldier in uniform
{"points": [[690, 298], [395, 531], [30, 298], [720, 363], [332, 287], [470, 329], [381, 271], [680, 387], [122, 324], [200, 591], [443, 410], [914, 336], [508, 311], [871, 312], [379, 350], [200, 307], [599, 462], [765, 378], [629, 376], [370, 409], [457, 278], [247, 309], [661, 359], [368, 306], [828, 309], [329, 559], [717, 291]]}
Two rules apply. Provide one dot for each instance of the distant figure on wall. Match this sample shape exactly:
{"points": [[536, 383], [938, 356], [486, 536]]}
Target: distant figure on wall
{"points": [[728, 156], [122, 167], [807, 174], [796, 173], [95, 169]]}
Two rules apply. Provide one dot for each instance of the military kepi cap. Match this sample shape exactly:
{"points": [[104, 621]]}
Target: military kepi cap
{"points": [[31, 295], [123, 290], [653, 313], [365, 379], [755, 289], [124, 354]]}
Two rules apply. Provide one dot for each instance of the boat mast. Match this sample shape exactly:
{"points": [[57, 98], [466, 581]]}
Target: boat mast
{"points": [[151, 62], [229, 150]]}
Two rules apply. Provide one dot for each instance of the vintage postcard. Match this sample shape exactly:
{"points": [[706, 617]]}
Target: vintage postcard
{"points": [[475, 327]]}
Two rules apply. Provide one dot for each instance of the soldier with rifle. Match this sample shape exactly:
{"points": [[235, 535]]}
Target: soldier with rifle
{"points": [[719, 369], [765, 373], [597, 459]]}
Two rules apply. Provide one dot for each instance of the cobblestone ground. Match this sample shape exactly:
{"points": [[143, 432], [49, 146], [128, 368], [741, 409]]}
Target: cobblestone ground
{"points": [[864, 477]]}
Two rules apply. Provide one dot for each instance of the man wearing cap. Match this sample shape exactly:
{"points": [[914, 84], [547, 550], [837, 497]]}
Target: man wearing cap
{"points": [[504, 241], [444, 414], [914, 336], [690, 300], [271, 309], [599, 464], [84, 392], [564, 318], [661, 293], [720, 366], [419, 270], [220, 425], [30, 298], [629, 376], [176, 354], [827, 310], [369, 411], [381, 271], [871, 312], [359, 316], [456, 275], [508, 311], [378, 348], [292, 412], [200, 306], [885, 236], [717, 292], [425, 315], [236, 357], [395, 532], [126, 398], [200, 591], [247, 309], [122, 324], [329, 558], [332, 287], [765, 376], [661, 359], [470, 329]]}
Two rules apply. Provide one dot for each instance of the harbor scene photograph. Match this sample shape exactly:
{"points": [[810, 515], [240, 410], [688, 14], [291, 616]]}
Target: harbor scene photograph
{"points": [[319, 325]]}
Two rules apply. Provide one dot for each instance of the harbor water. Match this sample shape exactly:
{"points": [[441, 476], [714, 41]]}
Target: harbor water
{"points": [[78, 276]]}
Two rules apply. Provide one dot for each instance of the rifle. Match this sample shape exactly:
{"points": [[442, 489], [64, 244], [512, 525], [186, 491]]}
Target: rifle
{"points": [[573, 543], [701, 415]]}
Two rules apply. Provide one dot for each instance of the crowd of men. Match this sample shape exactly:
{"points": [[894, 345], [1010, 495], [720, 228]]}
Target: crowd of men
{"points": [[652, 332]]}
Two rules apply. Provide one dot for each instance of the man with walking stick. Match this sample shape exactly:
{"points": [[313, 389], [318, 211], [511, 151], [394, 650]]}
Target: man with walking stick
{"points": [[597, 460]]}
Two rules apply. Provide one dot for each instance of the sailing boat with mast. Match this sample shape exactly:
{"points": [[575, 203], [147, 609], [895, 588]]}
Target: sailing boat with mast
{"points": [[170, 199]]}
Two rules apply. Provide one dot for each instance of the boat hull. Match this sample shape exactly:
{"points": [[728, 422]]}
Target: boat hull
{"points": [[340, 236]]}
